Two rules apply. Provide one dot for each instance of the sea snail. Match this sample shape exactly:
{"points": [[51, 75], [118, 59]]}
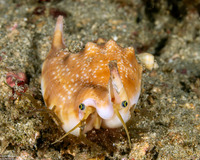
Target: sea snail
{"points": [[94, 88]]}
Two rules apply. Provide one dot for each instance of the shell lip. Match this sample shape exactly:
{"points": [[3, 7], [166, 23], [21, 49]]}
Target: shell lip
{"points": [[104, 111]]}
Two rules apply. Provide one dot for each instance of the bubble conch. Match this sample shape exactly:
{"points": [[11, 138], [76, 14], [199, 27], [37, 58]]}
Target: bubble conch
{"points": [[94, 88]]}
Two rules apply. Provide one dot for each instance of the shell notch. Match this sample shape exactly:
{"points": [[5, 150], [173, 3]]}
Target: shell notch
{"points": [[91, 89]]}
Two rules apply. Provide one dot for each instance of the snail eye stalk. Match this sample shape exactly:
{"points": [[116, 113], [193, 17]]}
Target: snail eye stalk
{"points": [[81, 106], [124, 104]]}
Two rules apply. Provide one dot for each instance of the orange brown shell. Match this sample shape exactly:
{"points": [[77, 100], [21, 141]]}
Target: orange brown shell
{"points": [[65, 74], [70, 78]]}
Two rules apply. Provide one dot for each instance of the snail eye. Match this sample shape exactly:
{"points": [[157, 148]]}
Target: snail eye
{"points": [[124, 104], [81, 106]]}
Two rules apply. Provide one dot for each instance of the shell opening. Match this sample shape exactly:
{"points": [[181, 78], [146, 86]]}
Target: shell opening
{"points": [[93, 121], [81, 124]]}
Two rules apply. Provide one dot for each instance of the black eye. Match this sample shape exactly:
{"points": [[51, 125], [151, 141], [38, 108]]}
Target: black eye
{"points": [[124, 104], [81, 106]]}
